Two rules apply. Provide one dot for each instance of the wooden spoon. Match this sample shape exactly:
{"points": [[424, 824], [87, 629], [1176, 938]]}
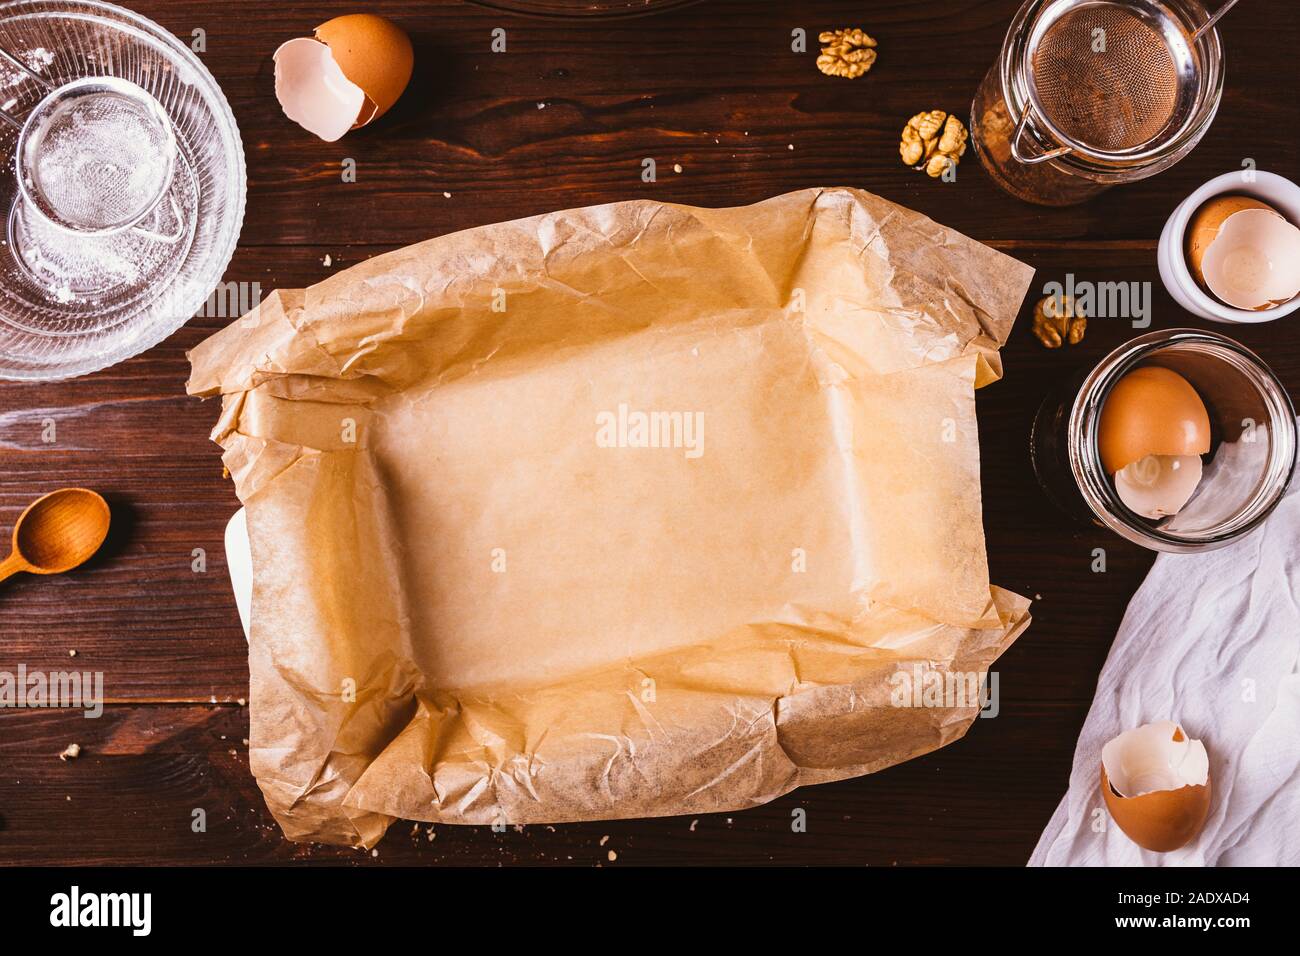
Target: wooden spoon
{"points": [[57, 532]]}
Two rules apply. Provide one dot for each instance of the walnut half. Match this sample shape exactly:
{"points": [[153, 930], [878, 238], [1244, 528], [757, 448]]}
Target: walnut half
{"points": [[1057, 322], [848, 53], [933, 141]]}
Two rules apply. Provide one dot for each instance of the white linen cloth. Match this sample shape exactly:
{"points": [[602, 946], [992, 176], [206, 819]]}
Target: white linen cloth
{"points": [[1210, 640]]}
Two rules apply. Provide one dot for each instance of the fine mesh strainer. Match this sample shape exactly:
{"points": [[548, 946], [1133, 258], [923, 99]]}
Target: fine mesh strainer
{"points": [[1104, 90], [96, 155], [1116, 102]]}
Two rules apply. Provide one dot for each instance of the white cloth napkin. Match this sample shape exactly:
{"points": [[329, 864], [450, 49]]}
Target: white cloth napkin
{"points": [[1212, 641]]}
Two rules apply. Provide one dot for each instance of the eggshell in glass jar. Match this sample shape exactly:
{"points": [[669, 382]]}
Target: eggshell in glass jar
{"points": [[1151, 411]]}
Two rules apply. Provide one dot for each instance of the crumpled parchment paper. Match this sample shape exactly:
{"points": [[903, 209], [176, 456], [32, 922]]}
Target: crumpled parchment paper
{"points": [[631, 510]]}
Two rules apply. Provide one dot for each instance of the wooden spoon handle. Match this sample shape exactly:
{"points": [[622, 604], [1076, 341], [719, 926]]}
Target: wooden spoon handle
{"points": [[12, 565]]}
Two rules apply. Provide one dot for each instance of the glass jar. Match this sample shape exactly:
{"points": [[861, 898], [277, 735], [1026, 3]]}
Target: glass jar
{"points": [[1246, 472], [1054, 126]]}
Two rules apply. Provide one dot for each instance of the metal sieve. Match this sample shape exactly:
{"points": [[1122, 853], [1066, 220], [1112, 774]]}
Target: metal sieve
{"points": [[1122, 100], [1105, 90], [1114, 80], [95, 155]]}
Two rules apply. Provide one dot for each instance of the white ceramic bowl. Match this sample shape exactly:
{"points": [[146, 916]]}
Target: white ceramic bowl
{"points": [[1278, 191]]}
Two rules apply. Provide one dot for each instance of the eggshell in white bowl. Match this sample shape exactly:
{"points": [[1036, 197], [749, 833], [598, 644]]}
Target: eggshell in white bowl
{"points": [[1254, 261], [1276, 191]]}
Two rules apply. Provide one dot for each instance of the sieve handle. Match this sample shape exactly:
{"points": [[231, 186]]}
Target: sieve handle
{"points": [[168, 238], [41, 81], [1015, 143], [1209, 24]]}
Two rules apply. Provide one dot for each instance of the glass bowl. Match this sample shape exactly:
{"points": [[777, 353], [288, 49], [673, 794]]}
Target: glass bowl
{"points": [[1247, 470], [73, 302]]}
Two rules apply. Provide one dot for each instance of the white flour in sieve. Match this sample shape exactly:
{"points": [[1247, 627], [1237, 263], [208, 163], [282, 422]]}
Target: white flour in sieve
{"points": [[99, 161]]}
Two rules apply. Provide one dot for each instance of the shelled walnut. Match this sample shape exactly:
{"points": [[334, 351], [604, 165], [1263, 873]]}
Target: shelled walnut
{"points": [[848, 53], [1056, 321], [933, 141]]}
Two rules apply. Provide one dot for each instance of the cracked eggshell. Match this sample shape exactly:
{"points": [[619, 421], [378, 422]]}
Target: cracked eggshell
{"points": [[1151, 411], [1254, 261], [1204, 226], [1155, 781], [1158, 485], [349, 74]]}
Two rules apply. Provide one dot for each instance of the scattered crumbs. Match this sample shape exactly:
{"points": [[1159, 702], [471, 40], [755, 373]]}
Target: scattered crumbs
{"points": [[604, 839], [446, 195], [430, 833], [68, 798], [677, 167], [72, 752], [612, 856], [746, 132], [242, 702], [1038, 597], [72, 653], [728, 821], [233, 753], [212, 699], [374, 852], [789, 146], [541, 106], [519, 828], [693, 822], [551, 829], [327, 261], [245, 741]]}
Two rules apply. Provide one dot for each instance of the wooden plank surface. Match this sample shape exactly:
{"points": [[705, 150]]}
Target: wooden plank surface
{"points": [[564, 118]]}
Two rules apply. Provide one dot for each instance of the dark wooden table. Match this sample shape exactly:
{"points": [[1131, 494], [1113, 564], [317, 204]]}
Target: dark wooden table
{"points": [[564, 118]]}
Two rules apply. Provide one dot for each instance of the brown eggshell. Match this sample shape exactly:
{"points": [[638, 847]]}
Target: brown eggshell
{"points": [[373, 53], [1162, 820], [1203, 228], [1151, 411]]}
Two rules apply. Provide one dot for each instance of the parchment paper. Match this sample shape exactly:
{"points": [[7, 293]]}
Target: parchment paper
{"points": [[481, 594]]}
